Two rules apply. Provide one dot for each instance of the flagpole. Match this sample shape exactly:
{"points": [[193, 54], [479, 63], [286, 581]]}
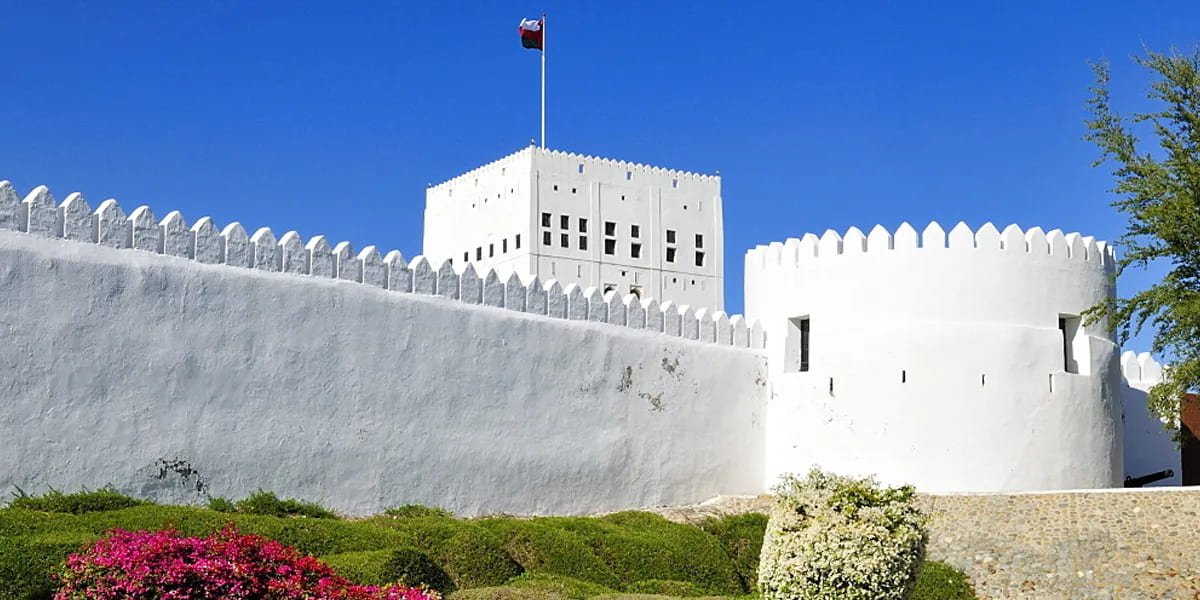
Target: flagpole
{"points": [[543, 81]]}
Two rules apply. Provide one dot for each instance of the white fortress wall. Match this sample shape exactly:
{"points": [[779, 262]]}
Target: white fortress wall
{"points": [[1148, 447], [936, 359], [140, 357]]}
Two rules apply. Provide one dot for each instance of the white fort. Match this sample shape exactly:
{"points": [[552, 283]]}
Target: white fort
{"points": [[613, 225], [560, 347]]}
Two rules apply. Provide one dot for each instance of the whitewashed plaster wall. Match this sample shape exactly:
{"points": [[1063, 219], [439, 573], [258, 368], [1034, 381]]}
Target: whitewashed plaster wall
{"points": [[936, 359], [1148, 447], [162, 374]]}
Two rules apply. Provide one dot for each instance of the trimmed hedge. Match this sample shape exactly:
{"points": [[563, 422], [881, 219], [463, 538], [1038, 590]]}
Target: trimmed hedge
{"points": [[543, 548], [381, 567], [940, 581], [27, 562], [567, 587], [741, 536]]}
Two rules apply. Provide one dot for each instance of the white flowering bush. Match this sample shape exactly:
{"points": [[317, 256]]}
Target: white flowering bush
{"points": [[839, 538]]}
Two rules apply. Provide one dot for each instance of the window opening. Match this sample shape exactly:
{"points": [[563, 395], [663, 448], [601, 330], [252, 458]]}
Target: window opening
{"points": [[628, 175], [504, 245], [796, 345], [610, 247], [479, 253], [582, 225], [564, 222], [635, 250], [580, 167], [572, 190], [545, 219], [564, 241], [670, 236], [1068, 327], [556, 187], [674, 183], [610, 228], [545, 238], [491, 250], [670, 255], [635, 231], [699, 240], [699, 259], [517, 242], [583, 242]]}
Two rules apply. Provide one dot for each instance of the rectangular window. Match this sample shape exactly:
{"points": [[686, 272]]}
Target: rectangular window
{"points": [[628, 175], [1069, 327], [610, 247], [467, 256], [545, 219], [504, 245], [699, 259], [635, 231], [583, 242], [564, 222], [582, 225], [635, 250], [580, 167], [491, 250], [479, 253], [610, 228], [545, 238], [517, 242], [670, 236], [564, 241], [796, 345], [699, 240], [670, 255]]}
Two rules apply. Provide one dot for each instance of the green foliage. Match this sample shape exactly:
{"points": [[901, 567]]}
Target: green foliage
{"points": [[1160, 194], [416, 510], [105, 498], [380, 567], [27, 562], [567, 587], [267, 503], [224, 505], [505, 592], [665, 588], [840, 538], [540, 547], [741, 536], [940, 581]]}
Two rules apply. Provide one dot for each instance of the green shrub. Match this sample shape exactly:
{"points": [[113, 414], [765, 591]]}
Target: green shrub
{"points": [[741, 536], [380, 567], [940, 581], [224, 505], [505, 592], [26, 563], [542, 548], [567, 587], [475, 558], [416, 510], [267, 503], [54, 501], [833, 537], [665, 588]]}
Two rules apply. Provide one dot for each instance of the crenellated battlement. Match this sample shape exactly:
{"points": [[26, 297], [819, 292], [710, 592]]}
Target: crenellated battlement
{"points": [[1033, 242], [629, 166], [108, 225], [485, 169], [1140, 367]]}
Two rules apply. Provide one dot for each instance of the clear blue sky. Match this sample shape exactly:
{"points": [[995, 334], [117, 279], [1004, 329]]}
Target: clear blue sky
{"points": [[330, 119]]}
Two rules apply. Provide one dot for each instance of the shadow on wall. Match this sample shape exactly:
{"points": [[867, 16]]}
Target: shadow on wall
{"points": [[1148, 447], [1190, 453]]}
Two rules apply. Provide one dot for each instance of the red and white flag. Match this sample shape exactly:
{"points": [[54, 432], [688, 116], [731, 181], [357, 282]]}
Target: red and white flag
{"points": [[531, 34]]}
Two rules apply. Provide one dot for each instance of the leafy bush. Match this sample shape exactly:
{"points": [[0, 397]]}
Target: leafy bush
{"points": [[741, 536], [833, 537], [224, 505], [567, 587], [150, 566], [403, 565], [26, 563], [267, 503], [416, 510], [505, 592], [54, 501], [540, 547], [940, 581], [662, 587]]}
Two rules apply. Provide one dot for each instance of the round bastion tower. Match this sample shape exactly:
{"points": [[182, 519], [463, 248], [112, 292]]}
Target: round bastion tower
{"points": [[956, 363]]}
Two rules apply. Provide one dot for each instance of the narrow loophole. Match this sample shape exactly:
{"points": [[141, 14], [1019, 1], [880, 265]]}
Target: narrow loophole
{"points": [[903, 376], [830, 386], [1052, 383], [983, 379]]}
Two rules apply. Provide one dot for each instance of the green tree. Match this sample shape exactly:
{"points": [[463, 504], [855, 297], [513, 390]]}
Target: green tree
{"points": [[1160, 193]]}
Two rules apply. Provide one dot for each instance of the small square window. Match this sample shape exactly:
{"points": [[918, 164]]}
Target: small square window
{"points": [[467, 256], [628, 175], [564, 241], [582, 225], [699, 259], [564, 222], [583, 242], [545, 238], [572, 190], [517, 242], [610, 228], [545, 219], [635, 250], [674, 183], [635, 231], [479, 253], [556, 187], [580, 167], [504, 245], [670, 236], [699, 240], [491, 250], [610, 247], [670, 255]]}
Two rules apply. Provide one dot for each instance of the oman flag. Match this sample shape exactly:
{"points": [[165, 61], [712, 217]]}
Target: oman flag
{"points": [[531, 34]]}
